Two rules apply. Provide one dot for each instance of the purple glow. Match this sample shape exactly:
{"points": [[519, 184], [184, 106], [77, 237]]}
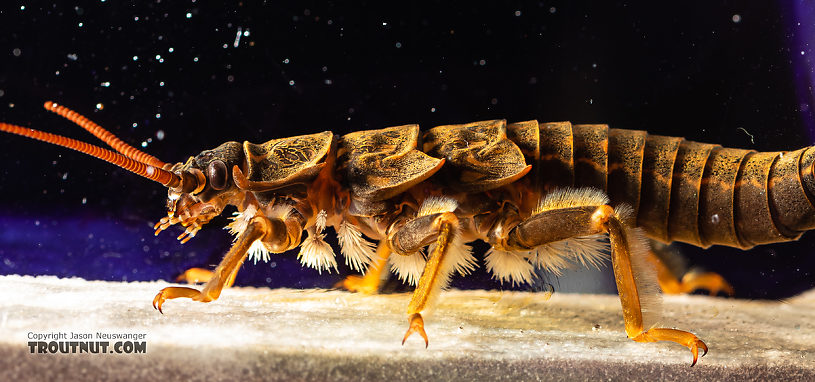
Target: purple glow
{"points": [[803, 41]]}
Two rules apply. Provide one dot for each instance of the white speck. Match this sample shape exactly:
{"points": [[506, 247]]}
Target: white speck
{"points": [[398, 44], [135, 124], [291, 82], [225, 46], [246, 33], [384, 24], [591, 101], [170, 50], [22, 7], [714, 219], [328, 81], [105, 84], [158, 57], [81, 24], [150, 170], [195, 59], [517, 13], [135, 58], [285, 60], [802, 52], [84, 200], [135, 18], [189, 15], [100, 106], [16, 52], [65, 176], [160, 134], [238, 38], [158, 115], [432, 109], [37, 223], [144, 144], [736, 18], [161, 83]]}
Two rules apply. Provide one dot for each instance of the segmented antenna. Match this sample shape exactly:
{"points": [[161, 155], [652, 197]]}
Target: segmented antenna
{"points": [[148, 171], [106, 136]]}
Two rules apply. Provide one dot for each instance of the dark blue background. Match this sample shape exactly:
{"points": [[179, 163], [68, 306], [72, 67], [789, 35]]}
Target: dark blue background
{"points": [[694, 69]]}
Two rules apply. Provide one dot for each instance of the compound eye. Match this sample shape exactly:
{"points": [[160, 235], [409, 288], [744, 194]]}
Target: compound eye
{"points": [[216, 173]]}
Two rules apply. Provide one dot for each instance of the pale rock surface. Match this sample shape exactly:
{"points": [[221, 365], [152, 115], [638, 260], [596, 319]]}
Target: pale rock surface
{"points": [[261, 334]]}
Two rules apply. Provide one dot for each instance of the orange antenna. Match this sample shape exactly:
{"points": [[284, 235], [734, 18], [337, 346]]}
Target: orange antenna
{"points": [[148, 171], [106, 136]]}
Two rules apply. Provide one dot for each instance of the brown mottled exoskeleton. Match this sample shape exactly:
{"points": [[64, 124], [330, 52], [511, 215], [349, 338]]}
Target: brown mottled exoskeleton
{"points": [[539, 194]]}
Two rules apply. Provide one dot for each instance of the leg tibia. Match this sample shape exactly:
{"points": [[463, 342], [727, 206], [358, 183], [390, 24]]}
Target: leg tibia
{"points": [[201, 275], [433, 277]]}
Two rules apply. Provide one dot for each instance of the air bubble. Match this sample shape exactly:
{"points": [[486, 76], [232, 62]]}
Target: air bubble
{"points": [[714, 219]]}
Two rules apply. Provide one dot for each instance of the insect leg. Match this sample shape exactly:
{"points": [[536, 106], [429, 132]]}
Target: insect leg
{"points": [[201, 275], [563, 223], [369, 283], [675, 278], [411, 238], [276, 232]]}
